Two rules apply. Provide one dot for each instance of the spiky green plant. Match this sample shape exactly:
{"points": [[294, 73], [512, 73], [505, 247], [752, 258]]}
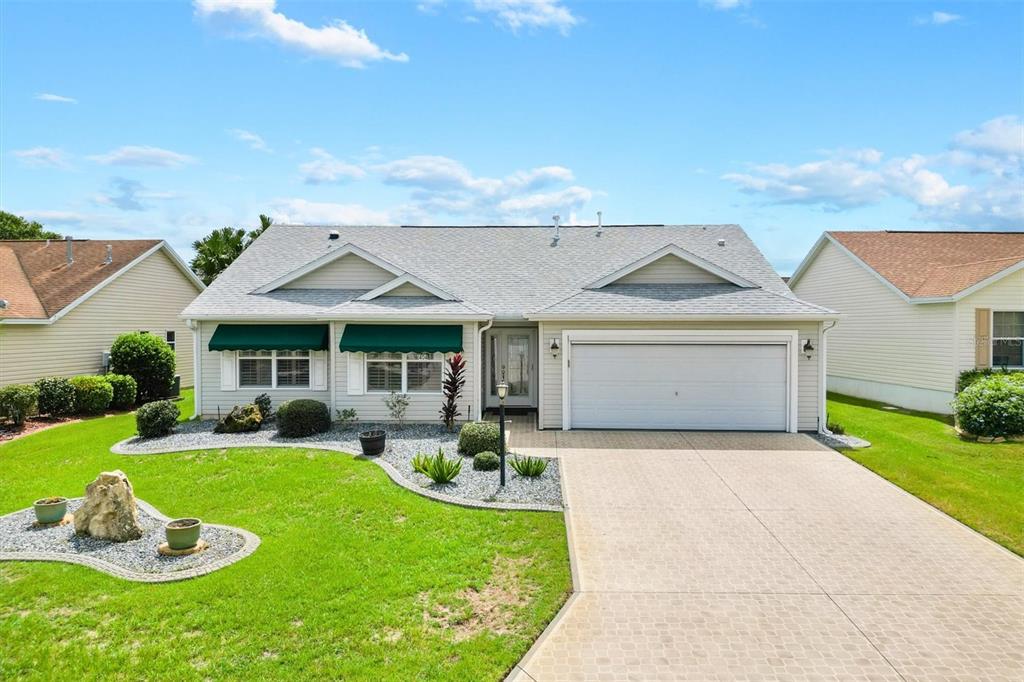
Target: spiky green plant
{"points": [[437, 468], [529, 466]]}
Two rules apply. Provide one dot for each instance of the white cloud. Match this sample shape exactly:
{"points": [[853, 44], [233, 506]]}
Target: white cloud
{"points": [[991, 197], [338, 41], [131, 195], [529, 14], [49, 217], [570, 198], [725, 5], [324, 168], [141, 155], [429, 6], [50, 97], [42, 157], [250, 138], [301, 211], [938, 19]]}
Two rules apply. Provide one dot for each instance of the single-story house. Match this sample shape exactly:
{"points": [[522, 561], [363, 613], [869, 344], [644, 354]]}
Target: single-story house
{"points": [[918, 309], [63, 302], [624, 326]]}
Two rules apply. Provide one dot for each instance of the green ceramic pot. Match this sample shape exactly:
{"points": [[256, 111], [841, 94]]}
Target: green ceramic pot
{"points": [[50, 509], [183, 533]]}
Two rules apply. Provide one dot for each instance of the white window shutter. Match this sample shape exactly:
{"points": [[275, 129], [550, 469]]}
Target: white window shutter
{"points": [[319, 370], [227, 370], [355, 373]]}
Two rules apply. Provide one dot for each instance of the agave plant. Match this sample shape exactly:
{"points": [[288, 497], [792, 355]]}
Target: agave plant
{"points": [[529, 466], [437, 468]]}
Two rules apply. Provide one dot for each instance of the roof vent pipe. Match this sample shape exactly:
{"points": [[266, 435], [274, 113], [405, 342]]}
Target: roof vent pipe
{"points": [[557, 218], [721, 242], [600, 226], [70, 250], [110, 255], [334, 234]]}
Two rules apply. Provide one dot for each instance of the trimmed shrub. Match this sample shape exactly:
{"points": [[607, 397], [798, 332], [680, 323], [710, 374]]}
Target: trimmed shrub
{"points": [[486, 461], [476, 437], [968, 377], [125, 390], [529, 466], [303, 417], [147, 359], [92, 394], [262, 402], [241, 419], [992, 406], [56, 396], [18, 401], [157, 418]]}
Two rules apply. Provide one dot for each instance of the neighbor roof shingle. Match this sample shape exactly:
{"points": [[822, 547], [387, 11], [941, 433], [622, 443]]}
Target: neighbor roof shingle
{"points": [[934, 264]]}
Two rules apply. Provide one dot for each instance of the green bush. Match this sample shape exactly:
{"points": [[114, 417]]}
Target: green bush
{"points": [[56, 396], [92, 394], [157, 418], [486, 461], [529, 466], [992, 406], [836, 428], [241, 419], [968, 377], [147, 359], [262, 402], [125, 390], [18, 401], [303, 417], [477, 437], [437, 468]]}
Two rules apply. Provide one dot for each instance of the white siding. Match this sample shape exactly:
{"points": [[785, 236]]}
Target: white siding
{"points": [[670, 269], [881, 338], [408, 289], [148, 297], [1006, 294], [807, 370], [348, 272]]}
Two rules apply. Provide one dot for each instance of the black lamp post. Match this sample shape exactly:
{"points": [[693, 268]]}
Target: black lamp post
{"points": [[502, 392]]}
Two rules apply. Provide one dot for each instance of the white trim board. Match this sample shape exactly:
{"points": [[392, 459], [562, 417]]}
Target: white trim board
{"points": [[788, 337], [680, 253]]}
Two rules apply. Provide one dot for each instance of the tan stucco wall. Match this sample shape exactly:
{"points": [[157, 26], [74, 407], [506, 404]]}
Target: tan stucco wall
{"points": [[148, 297]]}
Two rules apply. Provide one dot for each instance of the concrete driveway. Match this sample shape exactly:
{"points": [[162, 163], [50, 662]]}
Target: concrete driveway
{"points": [[701, 556]]}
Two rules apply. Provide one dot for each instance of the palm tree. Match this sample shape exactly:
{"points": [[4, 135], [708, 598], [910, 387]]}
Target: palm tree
{"points": [[265, 222], [217, 250]]}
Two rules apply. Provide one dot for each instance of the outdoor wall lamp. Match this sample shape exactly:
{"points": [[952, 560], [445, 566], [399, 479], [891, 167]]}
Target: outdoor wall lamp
{"points": [[808, 349], [554, 347]]}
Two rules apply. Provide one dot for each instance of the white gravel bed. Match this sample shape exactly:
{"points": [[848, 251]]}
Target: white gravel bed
{"points": [[21, 539], [543, 492]]}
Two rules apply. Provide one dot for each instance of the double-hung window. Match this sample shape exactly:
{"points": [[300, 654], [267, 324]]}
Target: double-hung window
{"points": [[273, 369], [1008, 339], [170, 336], [404, 372]]}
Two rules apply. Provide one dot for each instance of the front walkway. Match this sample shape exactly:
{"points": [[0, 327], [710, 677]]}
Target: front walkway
{"points": [[705, 556]]}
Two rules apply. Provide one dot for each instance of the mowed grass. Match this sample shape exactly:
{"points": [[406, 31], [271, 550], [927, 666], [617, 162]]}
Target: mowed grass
{"points": [[355, 578], [980, 484]]}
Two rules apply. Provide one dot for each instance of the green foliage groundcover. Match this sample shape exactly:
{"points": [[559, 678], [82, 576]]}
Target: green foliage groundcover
{"points": [[355, 578]]}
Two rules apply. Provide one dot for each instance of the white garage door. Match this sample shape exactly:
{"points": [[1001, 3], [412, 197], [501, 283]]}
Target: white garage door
{"points": [[679, 386]]}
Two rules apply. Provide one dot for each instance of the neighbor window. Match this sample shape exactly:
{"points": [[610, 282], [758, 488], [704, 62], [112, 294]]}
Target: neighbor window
{"points": [[170, 339], [273, 369], [404, 372], [1008, 339]]}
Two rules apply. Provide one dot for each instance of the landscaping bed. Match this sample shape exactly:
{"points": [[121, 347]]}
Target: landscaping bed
{"points": [[470, 486]]}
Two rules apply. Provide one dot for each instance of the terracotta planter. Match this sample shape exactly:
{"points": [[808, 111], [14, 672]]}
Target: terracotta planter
{"points": [[373, 442], [50, 509], [183, 533]]}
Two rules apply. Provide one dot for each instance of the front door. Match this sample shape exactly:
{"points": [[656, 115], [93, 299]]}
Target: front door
{"points": [[511, 355]]}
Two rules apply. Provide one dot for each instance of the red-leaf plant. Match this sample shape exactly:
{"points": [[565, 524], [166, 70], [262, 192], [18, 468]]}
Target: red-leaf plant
{"points": [[454, 380]]}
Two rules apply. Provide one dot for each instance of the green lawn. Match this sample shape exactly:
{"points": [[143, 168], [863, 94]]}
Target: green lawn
{"points": [[356, 578], [980, 484]]}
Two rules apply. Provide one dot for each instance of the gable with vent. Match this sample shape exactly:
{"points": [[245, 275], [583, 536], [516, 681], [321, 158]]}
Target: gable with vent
{"points": [[348, 272], [672, 265]]}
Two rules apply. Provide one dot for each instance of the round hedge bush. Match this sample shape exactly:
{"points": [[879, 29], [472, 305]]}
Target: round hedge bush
{"points": [[147, 359], [125, 390], [303, 417], [92, 394], [476, 437], [157, 418], [486, 461], [56, 396], [18, 401], [992, 406]]}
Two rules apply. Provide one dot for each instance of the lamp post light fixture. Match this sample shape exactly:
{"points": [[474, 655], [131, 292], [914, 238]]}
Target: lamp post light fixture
{"points": [[502, 392]]}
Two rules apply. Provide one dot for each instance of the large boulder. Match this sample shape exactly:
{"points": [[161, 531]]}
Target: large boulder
{"points": [[109, 511], [241, 419]]}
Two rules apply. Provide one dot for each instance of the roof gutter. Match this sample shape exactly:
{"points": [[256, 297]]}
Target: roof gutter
{"points": [[626, 317]]}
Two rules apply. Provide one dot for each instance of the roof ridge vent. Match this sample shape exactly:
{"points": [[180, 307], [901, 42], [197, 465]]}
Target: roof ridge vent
{"points": [[70, 250]]}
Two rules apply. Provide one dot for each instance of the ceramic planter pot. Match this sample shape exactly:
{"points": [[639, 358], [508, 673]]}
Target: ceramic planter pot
{"points": [[50, 509], [183, 533], [372, 442]]}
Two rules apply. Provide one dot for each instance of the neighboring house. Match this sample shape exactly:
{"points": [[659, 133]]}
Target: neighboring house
{"points": [[918, 309], [662, 327], [62, 304]]}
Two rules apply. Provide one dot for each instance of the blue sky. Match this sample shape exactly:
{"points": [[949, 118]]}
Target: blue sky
{"points": [[168, 119]]}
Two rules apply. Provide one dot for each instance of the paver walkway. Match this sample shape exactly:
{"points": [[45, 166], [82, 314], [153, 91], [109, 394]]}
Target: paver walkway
{"points": [[703, 556]]}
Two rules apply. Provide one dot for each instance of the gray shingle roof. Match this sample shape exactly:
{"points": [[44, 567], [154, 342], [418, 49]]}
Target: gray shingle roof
{"points": [[504, 271]]}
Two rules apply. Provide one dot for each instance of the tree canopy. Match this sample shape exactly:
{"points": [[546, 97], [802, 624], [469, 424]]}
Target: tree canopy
{"points": [[16, 227], [219, 249]]}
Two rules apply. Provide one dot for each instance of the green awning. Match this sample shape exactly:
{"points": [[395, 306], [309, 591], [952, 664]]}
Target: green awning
{"points": [[270, 337], [402, 338]]}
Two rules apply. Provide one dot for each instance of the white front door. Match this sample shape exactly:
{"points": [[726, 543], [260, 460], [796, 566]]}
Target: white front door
{"points": [[511, 355]]}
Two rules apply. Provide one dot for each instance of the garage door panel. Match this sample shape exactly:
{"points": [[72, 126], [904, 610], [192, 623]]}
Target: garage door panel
{"points": [[679, 386]]}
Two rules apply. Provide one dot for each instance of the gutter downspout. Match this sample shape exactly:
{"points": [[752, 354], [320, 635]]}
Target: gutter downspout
{"points": [[197, 367], [480, 369], [333, 378], [823, 381]]}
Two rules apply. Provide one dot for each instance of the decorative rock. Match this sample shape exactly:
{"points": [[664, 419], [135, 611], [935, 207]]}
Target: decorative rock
{"points": [[109, 511], [241, 419]]}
